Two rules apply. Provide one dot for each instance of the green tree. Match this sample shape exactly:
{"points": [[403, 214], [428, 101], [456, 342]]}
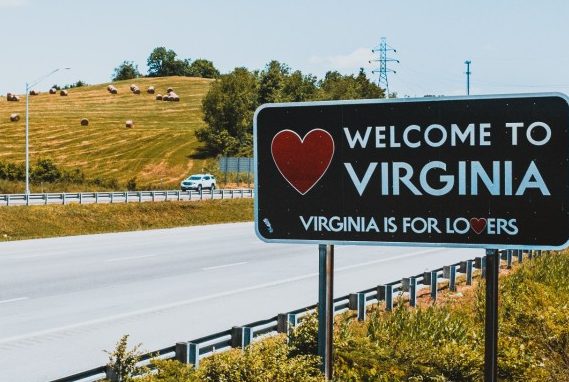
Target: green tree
{"points": [[299, 87], [228, 111], [126, 71], [336, 86], [271, 82], [203, 68], [163, 62], [278, 84]]}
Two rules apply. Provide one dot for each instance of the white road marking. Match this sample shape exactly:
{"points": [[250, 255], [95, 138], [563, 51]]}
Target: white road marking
{"points": [[13, 300], [224, 266], [129, 258], [202, 298]]}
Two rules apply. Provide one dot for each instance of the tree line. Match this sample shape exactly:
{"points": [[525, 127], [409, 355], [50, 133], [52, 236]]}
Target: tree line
{"points": [[232, 100], [164, 62]]}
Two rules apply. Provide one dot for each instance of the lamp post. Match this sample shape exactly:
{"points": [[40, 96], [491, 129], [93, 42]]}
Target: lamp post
{"points": [[28, 87]]}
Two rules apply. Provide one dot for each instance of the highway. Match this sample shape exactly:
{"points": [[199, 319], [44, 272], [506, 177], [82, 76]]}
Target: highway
{"points": [[64, 300]]}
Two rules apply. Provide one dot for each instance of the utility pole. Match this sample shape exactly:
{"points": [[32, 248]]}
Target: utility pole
{"points": [[382, 49], [468, 72]]}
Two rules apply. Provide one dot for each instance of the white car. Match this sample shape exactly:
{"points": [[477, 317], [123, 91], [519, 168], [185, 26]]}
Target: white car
{"points": [[198, 182]]}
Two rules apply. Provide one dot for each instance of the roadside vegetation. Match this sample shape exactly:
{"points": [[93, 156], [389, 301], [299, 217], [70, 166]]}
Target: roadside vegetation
{"points": [[434, 342], [31, 222]]}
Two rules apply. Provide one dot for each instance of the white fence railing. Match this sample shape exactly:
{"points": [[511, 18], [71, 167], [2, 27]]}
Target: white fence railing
{"points": [[121, 197]]}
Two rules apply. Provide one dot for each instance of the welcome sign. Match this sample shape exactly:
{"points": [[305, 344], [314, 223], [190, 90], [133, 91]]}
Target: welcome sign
{"points": [[464, 171]]}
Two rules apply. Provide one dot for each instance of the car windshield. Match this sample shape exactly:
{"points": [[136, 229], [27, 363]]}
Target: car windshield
{"points": [[194, 177]]}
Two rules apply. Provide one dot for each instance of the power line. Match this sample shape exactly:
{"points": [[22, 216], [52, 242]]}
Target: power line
{"points": [[382, 49]]}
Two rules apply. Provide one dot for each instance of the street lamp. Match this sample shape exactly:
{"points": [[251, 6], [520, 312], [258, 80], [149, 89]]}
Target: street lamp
{"points": [[28, 87]]}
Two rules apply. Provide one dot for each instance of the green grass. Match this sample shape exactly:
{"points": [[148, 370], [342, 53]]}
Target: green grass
{"points": [[160, 149], [30, 222]]}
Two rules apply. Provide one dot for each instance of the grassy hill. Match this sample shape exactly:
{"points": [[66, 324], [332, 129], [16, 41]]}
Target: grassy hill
{"points": [[160, 149]]}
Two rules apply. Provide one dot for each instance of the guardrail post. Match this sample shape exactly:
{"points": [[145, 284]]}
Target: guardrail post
{"points": [[286, 322], [221, 194], [409, 284], [520, 255], [480, 263], [112, 376], [431, 279], [469, 268], [178, 194], [165, 196], [241, 336], [357, 301], [7, 200], [80, 198], [126, 197], [231, 194], [212, 192], [188, 353], [449, 272], [201, 194], [45, 198], [27, 199], [96, 197], [153, 195], [139, 197], [385, 293], [189, 194], [509, 258], [63, 198], [530, 254], [112, 197]]}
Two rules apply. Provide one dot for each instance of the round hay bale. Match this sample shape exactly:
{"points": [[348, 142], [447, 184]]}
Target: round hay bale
{"points": [[173, 97], [158, 97], [15, 98], [111, 89], [9, 97], [34, 92], [84, 122], [136, 90], [132, 87], [52, 91], [169, 90], [64, 93], [150, 90], [129, 123], [166, 98], [14, 117]]}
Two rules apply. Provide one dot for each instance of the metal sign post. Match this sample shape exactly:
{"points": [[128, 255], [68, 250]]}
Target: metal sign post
{"points": [[326, 308], [491, 327]]}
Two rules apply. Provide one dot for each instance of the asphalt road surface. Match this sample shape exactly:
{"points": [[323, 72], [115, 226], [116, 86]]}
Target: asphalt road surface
{"points": [[64, 300]]}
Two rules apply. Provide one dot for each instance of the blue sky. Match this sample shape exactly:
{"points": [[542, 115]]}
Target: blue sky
{"points": [[515, 46]]}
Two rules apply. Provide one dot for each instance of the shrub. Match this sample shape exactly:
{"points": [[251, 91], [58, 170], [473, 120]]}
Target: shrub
{"points": [[122, 361], [131, 184]]}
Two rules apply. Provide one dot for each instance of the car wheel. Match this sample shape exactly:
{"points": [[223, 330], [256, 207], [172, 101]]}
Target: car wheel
{"points": [[213, 186], [199, 188]]}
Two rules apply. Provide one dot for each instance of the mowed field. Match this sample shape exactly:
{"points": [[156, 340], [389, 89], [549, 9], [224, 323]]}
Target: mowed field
{"points": [[160, 149]]}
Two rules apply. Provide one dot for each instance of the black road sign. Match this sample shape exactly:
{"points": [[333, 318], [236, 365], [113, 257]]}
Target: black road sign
{"points": [[466, 171]]}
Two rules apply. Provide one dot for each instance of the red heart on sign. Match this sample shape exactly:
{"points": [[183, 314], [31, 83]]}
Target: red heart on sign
{"points": [[302, 161], [477, 225]]}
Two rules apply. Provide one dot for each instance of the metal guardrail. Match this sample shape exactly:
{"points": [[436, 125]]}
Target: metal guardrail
{"points": [[191, 352], [121, 197]]}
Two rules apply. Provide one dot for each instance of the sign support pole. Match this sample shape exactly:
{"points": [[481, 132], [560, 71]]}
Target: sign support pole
{"points": [[326, 307], [491, 327]]}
